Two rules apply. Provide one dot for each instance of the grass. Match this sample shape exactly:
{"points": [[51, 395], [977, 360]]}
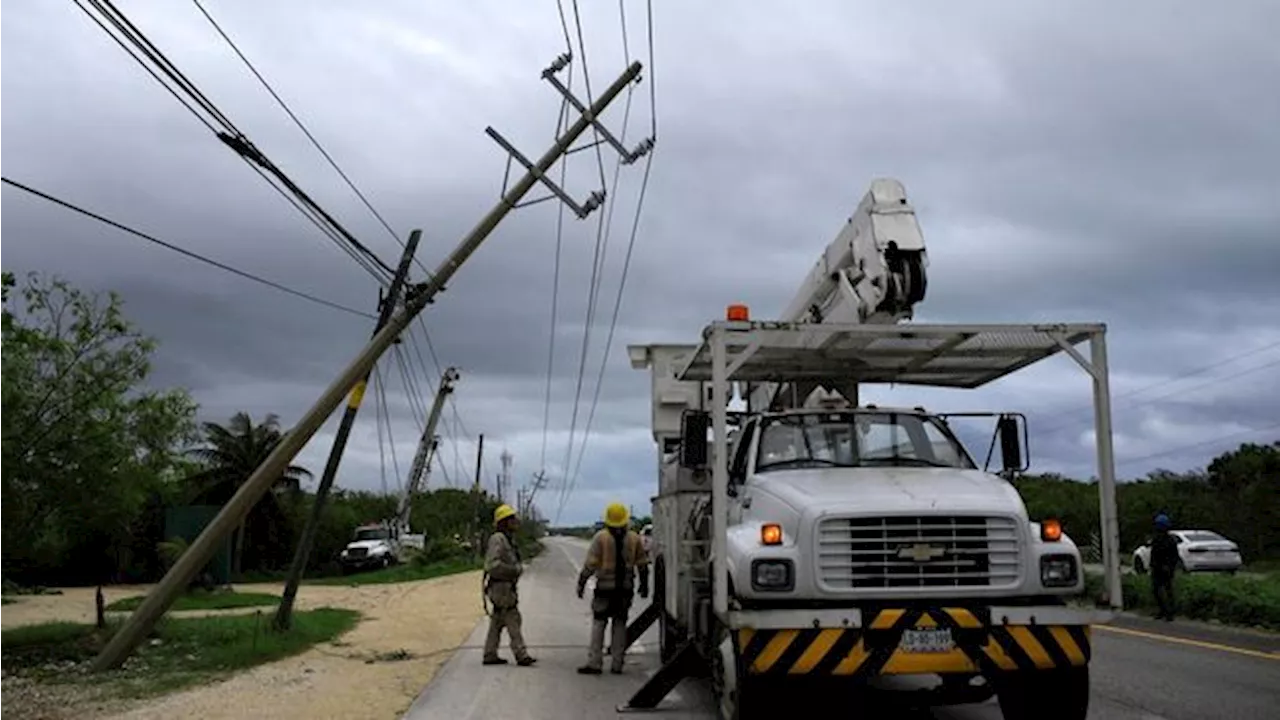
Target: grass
{"points": [[182, 651], [1239, 600], [406, 572], [204, 600]]}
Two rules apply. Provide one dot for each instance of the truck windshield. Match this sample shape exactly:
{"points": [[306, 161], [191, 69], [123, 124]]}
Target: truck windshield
{"points": [[857, 439], [371, 534]]}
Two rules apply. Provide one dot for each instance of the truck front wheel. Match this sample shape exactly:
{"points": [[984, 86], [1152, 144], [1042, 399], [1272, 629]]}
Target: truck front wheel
{"points": [[1059, 694]]}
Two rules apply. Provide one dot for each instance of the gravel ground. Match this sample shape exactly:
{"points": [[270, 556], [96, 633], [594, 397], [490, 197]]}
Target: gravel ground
{"points": [[408, 630]]}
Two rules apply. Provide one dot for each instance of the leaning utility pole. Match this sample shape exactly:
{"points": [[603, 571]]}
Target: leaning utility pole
{"points": [[284, 613], [158, 601], [422, 461]]}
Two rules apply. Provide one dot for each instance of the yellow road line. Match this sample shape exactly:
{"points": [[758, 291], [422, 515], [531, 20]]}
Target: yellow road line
{"points": [[1193, 643]]}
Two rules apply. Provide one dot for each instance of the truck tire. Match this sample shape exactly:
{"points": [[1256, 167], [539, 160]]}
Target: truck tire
{"points": [[1060, 694]]}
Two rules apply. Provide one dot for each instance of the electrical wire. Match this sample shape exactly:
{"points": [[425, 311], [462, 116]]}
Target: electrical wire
{"points": [[188, 253], [1169, 381], [613, 322], [586, 79], [301, 126], [381, 390], [230, 135], [1184, 448], [382, 451]]}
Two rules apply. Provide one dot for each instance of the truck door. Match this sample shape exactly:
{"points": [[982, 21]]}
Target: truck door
{"points": [[739, 492]]}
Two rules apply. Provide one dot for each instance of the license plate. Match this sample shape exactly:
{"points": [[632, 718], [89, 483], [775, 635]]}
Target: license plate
{"points": [[933, 640]]}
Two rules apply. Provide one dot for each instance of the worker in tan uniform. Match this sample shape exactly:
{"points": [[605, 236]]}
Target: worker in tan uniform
{"points": [[502, 569], [615, 557]]}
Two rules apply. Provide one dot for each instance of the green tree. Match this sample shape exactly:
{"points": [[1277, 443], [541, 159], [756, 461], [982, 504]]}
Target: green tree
{"points": [[86, 443], [230, 455]]}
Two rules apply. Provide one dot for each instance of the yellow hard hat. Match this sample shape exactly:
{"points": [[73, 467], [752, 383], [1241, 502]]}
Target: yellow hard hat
{"points": [[502, 513], [616, 515]]}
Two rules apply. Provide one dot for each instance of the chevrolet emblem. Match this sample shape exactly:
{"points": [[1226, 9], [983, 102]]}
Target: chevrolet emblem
{"points": [[920, 552]]}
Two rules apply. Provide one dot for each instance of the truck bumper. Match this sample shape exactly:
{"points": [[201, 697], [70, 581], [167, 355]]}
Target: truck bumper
{"points": [[851, 642]]}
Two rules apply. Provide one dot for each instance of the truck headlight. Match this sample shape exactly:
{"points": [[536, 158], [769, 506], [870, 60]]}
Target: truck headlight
{"points": [[1058, 570], [772, 575]]}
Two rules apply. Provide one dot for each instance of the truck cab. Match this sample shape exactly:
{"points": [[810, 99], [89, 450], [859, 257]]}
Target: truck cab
{"points": [[371, 546], [837, 506]]}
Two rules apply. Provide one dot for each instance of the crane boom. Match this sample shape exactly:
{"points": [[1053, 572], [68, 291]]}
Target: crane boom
{"points": [[422, 459], [873, 273]]}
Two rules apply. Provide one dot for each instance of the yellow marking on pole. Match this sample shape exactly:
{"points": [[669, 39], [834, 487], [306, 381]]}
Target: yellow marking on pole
{"points": [[1192, 643], [817, 650], [357, 394]]}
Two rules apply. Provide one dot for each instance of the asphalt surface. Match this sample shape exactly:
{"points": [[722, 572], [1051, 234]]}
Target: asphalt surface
{"points": [[1141, 669]]}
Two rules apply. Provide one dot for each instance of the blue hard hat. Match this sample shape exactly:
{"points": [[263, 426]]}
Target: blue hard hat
{"points": [[1162, 521]]}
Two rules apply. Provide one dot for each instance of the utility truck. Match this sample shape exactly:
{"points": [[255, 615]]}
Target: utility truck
{"points": [[807, 540]]}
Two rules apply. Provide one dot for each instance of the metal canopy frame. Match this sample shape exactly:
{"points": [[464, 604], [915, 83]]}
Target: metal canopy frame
{"points": [[932, 355]]}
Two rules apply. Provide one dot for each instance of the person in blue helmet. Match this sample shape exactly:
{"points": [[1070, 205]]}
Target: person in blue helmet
{"points": [[1164, 563]]}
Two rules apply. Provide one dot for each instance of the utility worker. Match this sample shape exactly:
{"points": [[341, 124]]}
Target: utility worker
{"points": [[1164, 562], [502, 569], [614, 557]]}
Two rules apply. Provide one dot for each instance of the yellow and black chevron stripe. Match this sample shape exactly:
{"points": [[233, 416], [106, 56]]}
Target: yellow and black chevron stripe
{"points": [[873, 650]]}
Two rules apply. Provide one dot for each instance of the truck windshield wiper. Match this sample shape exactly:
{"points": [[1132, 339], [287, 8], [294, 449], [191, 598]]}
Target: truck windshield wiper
{"points": [[907, 461], [798, 461]]}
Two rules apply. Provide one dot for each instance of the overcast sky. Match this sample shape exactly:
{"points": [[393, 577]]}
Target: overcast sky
{"points": [[1080, 161]]}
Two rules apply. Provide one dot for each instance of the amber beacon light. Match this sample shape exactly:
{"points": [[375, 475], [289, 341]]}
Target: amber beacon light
{"points": [[1051, 530], [771, 534], [737, 313]]}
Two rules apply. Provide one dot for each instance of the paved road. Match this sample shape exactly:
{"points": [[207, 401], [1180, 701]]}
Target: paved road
{"points": [[1142, 670]]}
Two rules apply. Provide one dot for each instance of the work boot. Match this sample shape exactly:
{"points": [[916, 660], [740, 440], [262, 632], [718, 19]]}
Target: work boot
{"points": [[526, 661], [588, 670], [495, 661]]}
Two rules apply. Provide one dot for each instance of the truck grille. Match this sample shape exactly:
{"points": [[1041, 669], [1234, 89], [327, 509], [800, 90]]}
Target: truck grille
{"points": [[918, 551], [358, 552]]}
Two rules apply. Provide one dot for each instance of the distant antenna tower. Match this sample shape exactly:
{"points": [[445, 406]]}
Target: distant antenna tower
{"points": [[504, 480]]}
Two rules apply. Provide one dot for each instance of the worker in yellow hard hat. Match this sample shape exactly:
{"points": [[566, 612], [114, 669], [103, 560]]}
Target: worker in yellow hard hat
{"points": [[502, 570], [616, 556]]}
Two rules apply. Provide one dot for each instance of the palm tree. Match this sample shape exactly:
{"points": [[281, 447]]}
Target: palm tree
{"points": [[230, 455]]}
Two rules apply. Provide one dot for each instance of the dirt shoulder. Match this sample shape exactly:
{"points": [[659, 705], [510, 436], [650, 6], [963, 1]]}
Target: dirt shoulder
{"points": [[375, 671]]}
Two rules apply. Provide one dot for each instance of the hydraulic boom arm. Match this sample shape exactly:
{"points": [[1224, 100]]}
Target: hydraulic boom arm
{"points": [[873, 273], [422, 460]]}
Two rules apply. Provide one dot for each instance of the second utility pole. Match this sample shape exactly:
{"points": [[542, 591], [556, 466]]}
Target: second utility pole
{"points": [[284, 613]]}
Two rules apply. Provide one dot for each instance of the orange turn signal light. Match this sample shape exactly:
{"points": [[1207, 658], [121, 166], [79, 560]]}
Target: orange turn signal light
{"points": [[771, 534], [737, 313], [1050, 530]]}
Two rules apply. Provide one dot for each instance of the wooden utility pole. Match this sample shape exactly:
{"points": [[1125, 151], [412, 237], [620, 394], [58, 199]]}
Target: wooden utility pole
{"points": [[284, 613], [159, 600]]}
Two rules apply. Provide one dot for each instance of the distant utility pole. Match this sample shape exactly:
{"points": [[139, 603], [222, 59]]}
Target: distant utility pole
{"points": [[422, 460], [504, 483], [284, 613], [478, 493], [161, 598]]}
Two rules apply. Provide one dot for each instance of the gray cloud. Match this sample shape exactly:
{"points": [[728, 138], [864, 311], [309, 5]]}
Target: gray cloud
{"points": [[1082, 162]]}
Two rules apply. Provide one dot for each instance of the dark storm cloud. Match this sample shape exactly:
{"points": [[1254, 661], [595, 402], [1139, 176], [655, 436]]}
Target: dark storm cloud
{"points": [[1063, 168]]}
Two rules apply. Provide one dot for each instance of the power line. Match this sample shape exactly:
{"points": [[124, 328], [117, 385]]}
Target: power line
{"points": [[230, 135], [297, 121], [1214, 441], [613, 322], [1177, 378], [188, 253], [586, 79]]}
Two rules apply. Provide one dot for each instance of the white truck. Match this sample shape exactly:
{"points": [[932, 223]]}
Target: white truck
{"points": [[374, 545], [807, 541]]}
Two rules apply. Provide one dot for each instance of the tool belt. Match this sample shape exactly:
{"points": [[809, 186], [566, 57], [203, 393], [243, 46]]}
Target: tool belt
{"points": [[501, 594]]}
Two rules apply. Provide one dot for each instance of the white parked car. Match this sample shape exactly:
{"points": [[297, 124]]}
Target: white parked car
{"points": [[1198, 550]]}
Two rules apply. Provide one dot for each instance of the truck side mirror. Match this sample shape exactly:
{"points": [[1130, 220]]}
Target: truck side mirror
{"points": [[1011, 437], [693, 439]]}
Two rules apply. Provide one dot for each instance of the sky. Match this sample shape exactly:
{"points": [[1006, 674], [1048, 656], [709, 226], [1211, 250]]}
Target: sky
{"points": [[1068, 162]]}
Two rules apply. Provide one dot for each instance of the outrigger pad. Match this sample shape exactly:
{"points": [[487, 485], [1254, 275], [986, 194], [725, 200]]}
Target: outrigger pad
{"points": [[683, 665]]}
